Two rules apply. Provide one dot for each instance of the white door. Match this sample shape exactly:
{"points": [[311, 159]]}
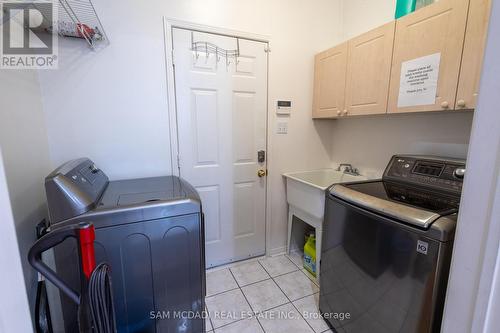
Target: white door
{"points": [[221, 123]]}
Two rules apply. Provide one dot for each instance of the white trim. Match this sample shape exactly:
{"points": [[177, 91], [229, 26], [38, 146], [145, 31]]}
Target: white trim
{"points": [[492, 307], [14, 307], [169, 24], [277, 251], [169, 61], [234, 264], [471, 289], [268, 156], [173, 23]]}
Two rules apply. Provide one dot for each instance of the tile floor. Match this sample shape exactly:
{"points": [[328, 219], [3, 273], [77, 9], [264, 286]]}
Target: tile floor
{"points": [[265, 295]]}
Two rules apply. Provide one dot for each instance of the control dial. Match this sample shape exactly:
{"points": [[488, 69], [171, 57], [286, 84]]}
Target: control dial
{"points": [[94, 168], [459, 173]]}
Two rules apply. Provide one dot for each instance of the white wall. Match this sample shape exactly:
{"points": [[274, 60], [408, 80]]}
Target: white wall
{"points": [[112, 105], [360, 16], [14, 309], [369, 142], [23, 140]]}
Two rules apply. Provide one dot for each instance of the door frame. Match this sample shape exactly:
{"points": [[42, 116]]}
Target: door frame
{"points": [[473, 295], [168, 25]]}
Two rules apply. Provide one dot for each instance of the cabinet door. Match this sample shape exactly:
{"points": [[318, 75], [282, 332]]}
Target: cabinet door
{"points": [[369, 70], [329, 82], [437, 28], [472, 58]]}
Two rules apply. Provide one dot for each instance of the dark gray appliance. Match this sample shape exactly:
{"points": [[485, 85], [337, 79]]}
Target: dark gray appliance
{"points": [[150, 231], [387, 247]]}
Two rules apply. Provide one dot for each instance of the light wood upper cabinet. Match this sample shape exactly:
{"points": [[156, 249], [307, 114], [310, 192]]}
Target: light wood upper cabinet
{"points": [[438, 28], [362, 76], [368, 71], [329, 82], [472, 58]]}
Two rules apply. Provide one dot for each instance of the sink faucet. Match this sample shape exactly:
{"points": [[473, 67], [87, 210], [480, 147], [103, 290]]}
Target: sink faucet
{"points": [[348, 169]]}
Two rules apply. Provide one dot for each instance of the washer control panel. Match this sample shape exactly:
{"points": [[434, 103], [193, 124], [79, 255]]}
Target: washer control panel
{"points": [[74, 188], [428, 171]]}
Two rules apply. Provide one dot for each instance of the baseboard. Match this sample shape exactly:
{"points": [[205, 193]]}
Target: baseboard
{"points": [[296, 249], [277, 251]]}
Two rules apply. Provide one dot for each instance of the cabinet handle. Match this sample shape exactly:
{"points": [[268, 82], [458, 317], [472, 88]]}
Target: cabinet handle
{"points": [[445, 105], [338, 112], [345, 112], [461, 103]]}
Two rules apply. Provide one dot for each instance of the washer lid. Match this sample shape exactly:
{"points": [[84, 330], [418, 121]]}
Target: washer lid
{"points": [[138, 200], [411, 205], [145, 191]]}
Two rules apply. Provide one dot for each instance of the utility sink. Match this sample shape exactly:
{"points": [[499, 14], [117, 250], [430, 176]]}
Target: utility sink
{"points": [[306, 190], [305, 193]]}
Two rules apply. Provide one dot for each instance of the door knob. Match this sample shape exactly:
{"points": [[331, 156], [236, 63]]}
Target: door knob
{"points": [[345, 112], [461, 103], [445, 105], [261, 173], [338, 112]]}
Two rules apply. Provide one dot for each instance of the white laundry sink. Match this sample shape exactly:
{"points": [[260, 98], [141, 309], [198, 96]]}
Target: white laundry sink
{"points": [[306, 190]]}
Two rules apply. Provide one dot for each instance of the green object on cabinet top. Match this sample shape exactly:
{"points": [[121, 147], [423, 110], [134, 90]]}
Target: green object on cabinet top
{"points": [[404, 7]]}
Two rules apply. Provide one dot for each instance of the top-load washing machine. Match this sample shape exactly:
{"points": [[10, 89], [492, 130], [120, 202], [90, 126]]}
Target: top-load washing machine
{"points": [[387, 247], [150, 231]]}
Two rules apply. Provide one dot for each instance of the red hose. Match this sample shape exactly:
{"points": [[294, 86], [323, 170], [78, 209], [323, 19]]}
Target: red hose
{"points": [[87, 237]]}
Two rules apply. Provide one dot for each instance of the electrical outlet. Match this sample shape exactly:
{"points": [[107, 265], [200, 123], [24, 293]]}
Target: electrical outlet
{"points": [[282, 128]]}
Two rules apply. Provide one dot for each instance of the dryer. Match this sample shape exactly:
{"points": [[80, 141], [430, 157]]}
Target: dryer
{"points": [[151, 233]]}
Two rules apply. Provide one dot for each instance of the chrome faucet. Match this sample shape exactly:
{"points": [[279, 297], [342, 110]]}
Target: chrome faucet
{"points": [[348, 169]]}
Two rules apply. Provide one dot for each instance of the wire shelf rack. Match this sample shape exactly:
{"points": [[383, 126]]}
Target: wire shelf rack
{"points": [[77, 19], [210, 48], [207, 47]]}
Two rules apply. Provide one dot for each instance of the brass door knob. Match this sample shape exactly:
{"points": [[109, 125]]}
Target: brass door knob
{"points": [[261, 173]]}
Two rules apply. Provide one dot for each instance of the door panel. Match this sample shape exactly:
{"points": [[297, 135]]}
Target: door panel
{"points": [[244, 195], [205, 127], [211, 205], [438, 28], [243, 131], [245, 66], [368, 71], [472, 59], [330, 69], [249, 136], [221, 119]]}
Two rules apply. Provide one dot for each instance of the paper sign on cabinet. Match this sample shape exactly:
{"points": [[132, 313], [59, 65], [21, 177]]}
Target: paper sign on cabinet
{"points": [[419, 81]]}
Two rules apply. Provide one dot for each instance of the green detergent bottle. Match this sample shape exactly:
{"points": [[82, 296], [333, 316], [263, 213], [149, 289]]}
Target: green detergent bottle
{"points": [[310, 254], [404, 7]]}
